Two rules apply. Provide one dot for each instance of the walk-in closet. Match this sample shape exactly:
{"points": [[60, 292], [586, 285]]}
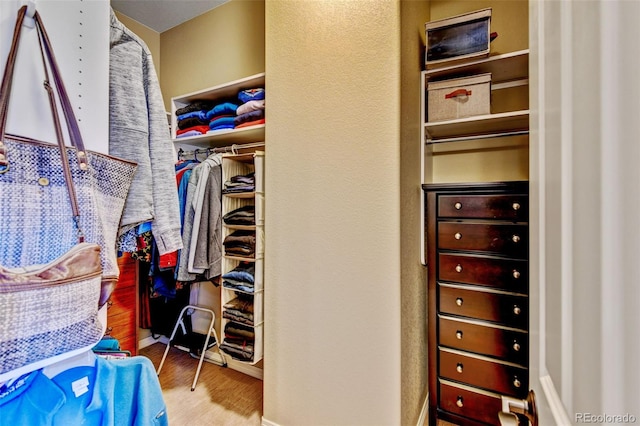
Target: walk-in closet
{"points": [[349, 254]]}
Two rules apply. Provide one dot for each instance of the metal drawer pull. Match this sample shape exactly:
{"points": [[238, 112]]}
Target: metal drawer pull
{"points": [[459, 402], [516, 382], [517, 310], [109, 303], [516, 206], [459, 335], [458, 268], [459, 368], [516, 346], [516, 274], [458, 206], [108, 331], [459, 301], [515, 238], [457, 236]]}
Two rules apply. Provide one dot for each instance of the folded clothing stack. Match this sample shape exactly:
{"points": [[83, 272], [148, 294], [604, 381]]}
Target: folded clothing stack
{"points": [[240, 183], [251, 110], [222, 115], [245, 215], [238, 341], [192, 119]]}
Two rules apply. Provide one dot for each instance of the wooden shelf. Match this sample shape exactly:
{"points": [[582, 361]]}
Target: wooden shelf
{"points": [[479, 126], [240, 194], [241, 227]]}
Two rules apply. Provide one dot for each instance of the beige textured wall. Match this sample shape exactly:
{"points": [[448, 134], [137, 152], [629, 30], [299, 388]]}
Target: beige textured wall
{"points": [[222, 45], [496, 159], [332, 314], [413, 275]]}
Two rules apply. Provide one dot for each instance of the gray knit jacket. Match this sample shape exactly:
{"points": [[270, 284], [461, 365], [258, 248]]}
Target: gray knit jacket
{"points": [[138, 131]]}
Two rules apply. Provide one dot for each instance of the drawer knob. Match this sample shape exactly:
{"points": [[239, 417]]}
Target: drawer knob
{"points": [[459, 368], [458, 268], [516, 346], [516, 206], [109, 303], [459, 335], [516, 382], [459, 402], [458, 206], [459, 301], [108, 331], [457, 235], [517, 310], [515, 238], [516, 274]]}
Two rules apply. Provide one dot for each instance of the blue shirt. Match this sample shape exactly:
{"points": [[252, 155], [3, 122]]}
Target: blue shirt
{"points": [[112, 393]]}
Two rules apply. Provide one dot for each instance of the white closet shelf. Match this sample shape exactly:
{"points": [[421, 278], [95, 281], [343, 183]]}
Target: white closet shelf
{"points": [[221, 137], [503, 67], [477, 125], [225, 137], [240, 258]]}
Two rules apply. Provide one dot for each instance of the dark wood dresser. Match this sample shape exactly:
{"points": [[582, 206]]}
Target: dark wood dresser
{"points": [[477, 245], [121, 306]]}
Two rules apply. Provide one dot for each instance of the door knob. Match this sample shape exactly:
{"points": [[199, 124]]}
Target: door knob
{"points": [[513, 408]]}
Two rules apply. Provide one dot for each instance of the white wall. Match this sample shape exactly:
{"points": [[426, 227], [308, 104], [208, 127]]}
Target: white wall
{"points": [[79, 33], [332, 306]]}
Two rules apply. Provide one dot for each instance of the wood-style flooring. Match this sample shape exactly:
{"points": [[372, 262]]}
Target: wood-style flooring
{"points": [[222, 396]]}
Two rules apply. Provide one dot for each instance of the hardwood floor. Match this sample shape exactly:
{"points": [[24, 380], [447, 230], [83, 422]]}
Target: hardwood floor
{"points": [[222, 396]]}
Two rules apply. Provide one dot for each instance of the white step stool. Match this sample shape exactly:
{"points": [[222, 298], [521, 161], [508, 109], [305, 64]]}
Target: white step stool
{"points": [[188, 310]]}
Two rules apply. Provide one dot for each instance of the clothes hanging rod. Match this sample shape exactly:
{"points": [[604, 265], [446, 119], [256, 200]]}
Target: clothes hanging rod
{"points": [[476, 137], [234, 148]]}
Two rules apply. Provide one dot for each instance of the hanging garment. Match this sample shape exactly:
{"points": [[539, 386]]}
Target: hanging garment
{"points": [[139, 132], [111, 393], [202, 228]]}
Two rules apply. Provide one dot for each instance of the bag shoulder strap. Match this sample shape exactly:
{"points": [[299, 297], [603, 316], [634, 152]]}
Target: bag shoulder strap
{"points": [[72, 125]]}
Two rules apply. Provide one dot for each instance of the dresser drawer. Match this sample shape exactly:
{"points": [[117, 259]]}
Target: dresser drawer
{"points": [[471, 403], [508, 309], [128, 271], [485, 339], [490, 375], [503, 238], [121, 325], [122, 300], [507, 274], [509, 207]]}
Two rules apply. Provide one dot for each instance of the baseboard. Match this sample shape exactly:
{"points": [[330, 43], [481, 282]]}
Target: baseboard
{"points": [[555, 403], [148, 341], [266, 422], [424, 413]]}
